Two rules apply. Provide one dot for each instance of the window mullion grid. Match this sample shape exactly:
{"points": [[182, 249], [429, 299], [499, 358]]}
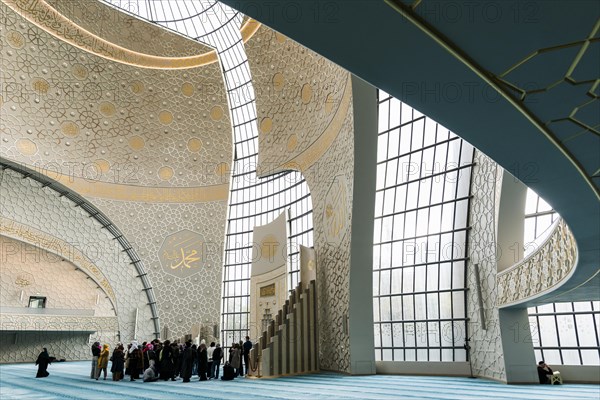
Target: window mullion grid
{"points": [[539, 334], [417, 221], [436, 144], [596, 328], [381, 317], [439, 328], [535, 224], [392, 229], [576, 334], [403, 255], [422, 215], [557, 333], [438, 174], [453, 236], [445, 179], [414, 275]]}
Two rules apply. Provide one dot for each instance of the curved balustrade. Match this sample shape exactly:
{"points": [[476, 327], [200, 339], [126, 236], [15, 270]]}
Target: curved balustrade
{"points": [[544, 270]]}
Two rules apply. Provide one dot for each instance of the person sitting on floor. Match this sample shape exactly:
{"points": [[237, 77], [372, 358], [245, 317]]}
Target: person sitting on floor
{"points": [[150, 374], [545, 373]]}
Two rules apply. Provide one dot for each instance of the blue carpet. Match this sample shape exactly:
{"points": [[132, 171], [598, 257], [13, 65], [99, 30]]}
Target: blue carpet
{"points": [[71, 381]]}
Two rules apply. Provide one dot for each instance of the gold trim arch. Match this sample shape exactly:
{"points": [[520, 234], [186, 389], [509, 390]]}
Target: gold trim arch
{"points": [[46, 17], [26, 234]]}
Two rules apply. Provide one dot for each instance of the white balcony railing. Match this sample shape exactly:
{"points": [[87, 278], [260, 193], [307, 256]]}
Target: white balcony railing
{"points": [[542, 271]]}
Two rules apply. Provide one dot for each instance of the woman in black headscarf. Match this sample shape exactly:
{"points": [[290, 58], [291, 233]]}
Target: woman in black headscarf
{"points": [[42, 362], [118, 363], [166, 362], [187, 362], [202, 361]]}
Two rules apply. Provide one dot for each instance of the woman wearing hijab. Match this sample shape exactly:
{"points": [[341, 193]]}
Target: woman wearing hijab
{"points": [[234, 358], [103, 361], [126, 352], [176, 356], [42, 362], [202, 361], [135, 356], [95, 354], [149, 356], [118, 363], [187, 362], [166, 362]]}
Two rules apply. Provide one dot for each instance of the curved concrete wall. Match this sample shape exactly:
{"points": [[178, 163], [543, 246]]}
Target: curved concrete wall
{"points": [[29, 204], [150, 148]]}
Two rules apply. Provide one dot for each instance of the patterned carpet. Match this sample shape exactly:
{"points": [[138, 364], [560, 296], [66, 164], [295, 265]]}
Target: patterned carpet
{"points": [[71, 381]]}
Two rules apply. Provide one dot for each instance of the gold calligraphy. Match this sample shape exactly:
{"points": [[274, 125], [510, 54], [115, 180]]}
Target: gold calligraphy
{"points": [[267, 291], [185, 259], [182, 253]]}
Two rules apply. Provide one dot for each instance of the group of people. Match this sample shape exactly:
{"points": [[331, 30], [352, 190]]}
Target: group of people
{"points": [[239, 356], [167, 361]]}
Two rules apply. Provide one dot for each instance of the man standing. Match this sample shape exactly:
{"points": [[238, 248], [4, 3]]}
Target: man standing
{"points": [[95, 354], [217, 356], [209, 353], [246, 352]]}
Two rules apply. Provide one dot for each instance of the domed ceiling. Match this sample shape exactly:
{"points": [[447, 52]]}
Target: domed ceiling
{"points": [[98, 125]]}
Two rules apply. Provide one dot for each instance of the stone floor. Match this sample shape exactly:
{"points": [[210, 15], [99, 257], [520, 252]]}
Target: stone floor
{"points": [[71, 381]]}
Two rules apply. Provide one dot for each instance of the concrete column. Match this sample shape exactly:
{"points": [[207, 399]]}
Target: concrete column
{"points": [[362, 355], [519, 358], [293, 332], [511, 221], [312, 327], [285, 327], [298, 335]]}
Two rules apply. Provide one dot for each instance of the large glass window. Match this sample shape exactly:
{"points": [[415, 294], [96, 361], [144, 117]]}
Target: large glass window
{"points": [[539, 216], [254, 202], [562, 333], [420, 237]]}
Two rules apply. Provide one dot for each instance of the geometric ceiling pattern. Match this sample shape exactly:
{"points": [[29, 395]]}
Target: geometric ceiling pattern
{"points": [[573, 72], [555, 86]]}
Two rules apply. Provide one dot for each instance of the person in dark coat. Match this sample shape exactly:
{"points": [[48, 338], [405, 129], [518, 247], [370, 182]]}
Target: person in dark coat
{"points": [[246, 347], [150, 356], [195, 358], [135, 358], [176, 356], [235, 358], [118, 363], [545, 373], [127, 354], [202, 362], [187, 362], [217, 357], [42, 362], [96, 349], [157, 350], [166, 362]]}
